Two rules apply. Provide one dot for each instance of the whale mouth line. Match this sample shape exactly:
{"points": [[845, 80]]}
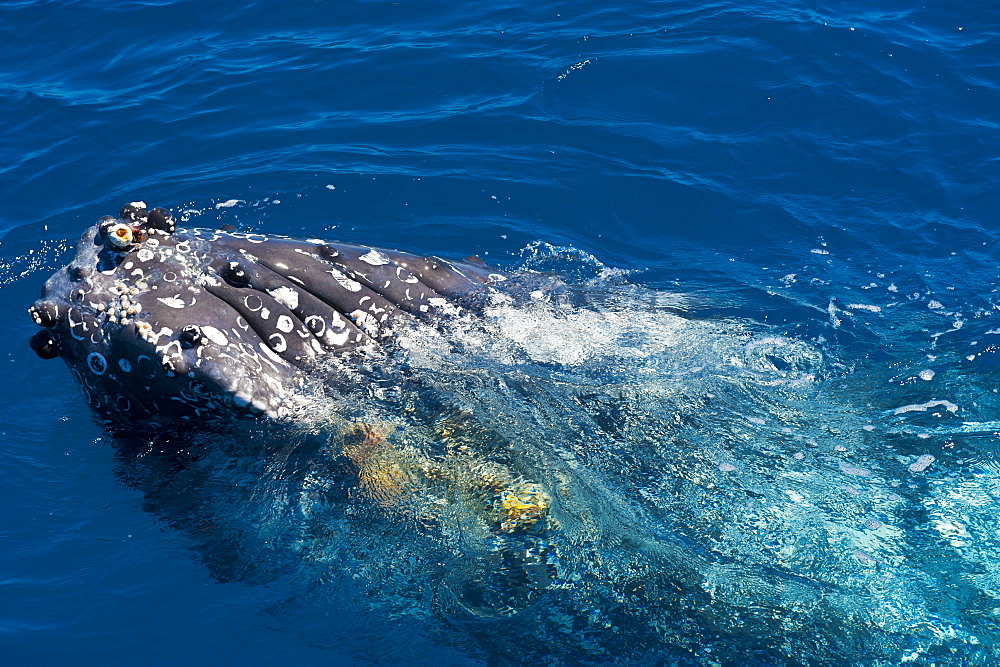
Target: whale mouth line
{"points": [[162, 323]]}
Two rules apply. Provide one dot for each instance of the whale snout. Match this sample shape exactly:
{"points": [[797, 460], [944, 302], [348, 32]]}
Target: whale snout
{"points": [[161, 323]]}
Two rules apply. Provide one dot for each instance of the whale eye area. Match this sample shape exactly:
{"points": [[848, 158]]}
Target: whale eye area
{"points": [[235, 275]]}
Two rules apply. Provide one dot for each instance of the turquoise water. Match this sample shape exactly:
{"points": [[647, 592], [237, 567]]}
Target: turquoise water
{"points": [[783, 220]]}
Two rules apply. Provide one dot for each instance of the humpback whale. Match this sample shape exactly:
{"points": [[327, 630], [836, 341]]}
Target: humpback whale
{"points": [[159, 323]]}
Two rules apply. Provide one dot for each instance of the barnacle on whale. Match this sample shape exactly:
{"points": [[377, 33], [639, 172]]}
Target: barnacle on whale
{"points": [[119, 235]]}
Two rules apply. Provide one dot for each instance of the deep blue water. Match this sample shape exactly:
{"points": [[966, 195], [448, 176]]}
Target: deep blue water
{"points": [[820, 174]]}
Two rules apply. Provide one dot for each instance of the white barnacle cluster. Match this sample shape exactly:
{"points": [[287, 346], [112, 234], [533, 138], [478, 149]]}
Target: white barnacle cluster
{"points": [[122, 308], [145, 331]]}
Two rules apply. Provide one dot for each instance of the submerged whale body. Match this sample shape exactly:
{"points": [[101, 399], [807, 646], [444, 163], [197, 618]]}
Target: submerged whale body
{"points": [[161, 323]]}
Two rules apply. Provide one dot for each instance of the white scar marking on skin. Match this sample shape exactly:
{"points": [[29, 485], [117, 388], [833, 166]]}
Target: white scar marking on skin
{"points": [[74, 324], [316, 324], [374, 258], [171, 301], [280, 345], [404, 276], [345, 282], [215, 336], [285, 324], [97, 363], [337, 339], [286, 296]]}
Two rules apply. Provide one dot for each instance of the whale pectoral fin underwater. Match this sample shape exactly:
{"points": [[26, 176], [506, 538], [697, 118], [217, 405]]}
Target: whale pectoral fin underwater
{"points": [[160, 323]]}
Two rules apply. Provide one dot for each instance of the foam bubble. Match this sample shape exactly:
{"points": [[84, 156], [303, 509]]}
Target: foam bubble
{"points": [[854, 471], [924, 407]]}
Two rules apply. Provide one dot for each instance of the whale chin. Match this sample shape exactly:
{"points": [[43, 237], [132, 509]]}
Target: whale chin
{"points": [[159, 324]]}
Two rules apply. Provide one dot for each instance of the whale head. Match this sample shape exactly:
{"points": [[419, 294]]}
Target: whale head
{"points": [[163, 324]]}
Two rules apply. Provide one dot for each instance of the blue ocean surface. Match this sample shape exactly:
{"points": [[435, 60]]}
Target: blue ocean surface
{"points": [[771, 433]]}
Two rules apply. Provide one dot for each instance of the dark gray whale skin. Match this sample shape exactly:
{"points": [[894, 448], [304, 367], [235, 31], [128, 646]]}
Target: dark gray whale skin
{"points": [[162, 324]]}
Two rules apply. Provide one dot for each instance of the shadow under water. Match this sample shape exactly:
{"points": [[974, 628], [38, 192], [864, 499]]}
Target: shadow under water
{"points": [[600, 478]]}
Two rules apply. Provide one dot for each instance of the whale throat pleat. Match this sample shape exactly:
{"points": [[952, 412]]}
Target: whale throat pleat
{"points": [[329, 326], [281, 333], [331, 285], [382, 275]]}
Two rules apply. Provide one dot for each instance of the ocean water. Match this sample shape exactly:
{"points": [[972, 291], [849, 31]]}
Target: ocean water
{"points": [[769, 424]]}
